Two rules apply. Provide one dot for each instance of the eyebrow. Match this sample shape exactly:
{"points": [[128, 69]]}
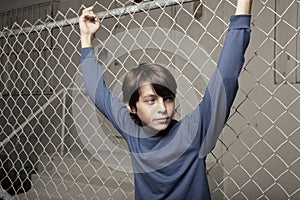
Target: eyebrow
{"points": [[149, 95], [155, 96]]}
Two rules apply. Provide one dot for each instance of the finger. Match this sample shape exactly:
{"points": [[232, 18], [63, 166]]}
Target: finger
{"points": [[97, 21], [89, 14], [91, 7], [88, 9], [91, 18]]}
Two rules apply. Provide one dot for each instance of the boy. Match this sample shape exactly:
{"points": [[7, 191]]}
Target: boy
{"points": [[168, 156]]}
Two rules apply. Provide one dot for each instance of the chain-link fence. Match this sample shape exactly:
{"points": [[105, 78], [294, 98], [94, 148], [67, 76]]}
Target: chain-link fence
{"points": [[54, 144]]}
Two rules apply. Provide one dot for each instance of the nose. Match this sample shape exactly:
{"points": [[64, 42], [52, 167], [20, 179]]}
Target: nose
{"points": [[161, 106]]}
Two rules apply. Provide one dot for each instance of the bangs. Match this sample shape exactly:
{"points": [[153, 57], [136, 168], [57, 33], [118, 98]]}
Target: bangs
{"points": [[162, 91]]}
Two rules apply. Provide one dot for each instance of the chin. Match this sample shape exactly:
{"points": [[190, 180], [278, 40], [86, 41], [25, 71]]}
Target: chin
{"points": [[159, 127]]}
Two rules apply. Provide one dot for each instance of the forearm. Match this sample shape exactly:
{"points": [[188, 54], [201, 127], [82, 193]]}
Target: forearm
{"points": [[243, 7], [91, 71], [232, 57]]}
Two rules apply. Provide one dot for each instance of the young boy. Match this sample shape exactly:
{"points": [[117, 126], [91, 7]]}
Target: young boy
{"points": [[168, 156]]}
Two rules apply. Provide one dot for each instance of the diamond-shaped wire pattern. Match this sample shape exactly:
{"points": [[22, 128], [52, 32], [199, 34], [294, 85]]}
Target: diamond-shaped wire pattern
{"points": [[56, 145]]}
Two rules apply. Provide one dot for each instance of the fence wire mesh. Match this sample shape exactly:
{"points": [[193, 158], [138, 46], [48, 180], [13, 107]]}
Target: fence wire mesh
{"points": [[55, 145]]}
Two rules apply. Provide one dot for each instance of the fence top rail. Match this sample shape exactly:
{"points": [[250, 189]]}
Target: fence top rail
{"points": [[148, 5]]}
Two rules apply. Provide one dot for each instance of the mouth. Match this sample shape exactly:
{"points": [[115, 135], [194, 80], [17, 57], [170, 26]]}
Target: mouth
{"points": [[163, 120]]}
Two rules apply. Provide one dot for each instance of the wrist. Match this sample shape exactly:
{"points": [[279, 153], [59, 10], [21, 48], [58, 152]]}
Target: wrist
{"points": [[243, 7], [86, 40]]}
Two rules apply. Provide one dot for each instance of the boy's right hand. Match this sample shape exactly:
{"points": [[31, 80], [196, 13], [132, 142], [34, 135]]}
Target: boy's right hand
{"points": [[89, 23]]}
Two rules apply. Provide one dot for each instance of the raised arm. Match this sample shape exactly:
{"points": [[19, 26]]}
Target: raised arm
{"points": [[223, 84], [90, 66], [106, 102]]}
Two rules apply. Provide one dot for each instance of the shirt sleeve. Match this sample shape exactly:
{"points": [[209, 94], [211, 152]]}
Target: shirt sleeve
{"points": [[107, 103], [221, 90]]}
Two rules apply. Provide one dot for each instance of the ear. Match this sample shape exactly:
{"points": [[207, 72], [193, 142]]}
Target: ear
{"points": [[131, 110]]}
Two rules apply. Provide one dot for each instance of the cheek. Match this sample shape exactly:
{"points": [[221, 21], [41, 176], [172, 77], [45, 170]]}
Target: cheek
{"points": [[146, 114], [143, 113], [152, 112], [171, 108]]}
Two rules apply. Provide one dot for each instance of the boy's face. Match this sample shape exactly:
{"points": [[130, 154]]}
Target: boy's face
{"points": [[154, 111]]}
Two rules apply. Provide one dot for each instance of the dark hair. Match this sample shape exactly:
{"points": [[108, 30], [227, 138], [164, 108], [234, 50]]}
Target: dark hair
{"points": [[162, 81]]}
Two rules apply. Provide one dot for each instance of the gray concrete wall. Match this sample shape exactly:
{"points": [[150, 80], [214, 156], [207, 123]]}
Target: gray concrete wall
{"points": [[261, 137]]}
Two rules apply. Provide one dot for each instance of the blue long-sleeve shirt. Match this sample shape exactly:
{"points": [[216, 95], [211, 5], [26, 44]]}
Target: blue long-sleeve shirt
{"points": [[171, 164]]}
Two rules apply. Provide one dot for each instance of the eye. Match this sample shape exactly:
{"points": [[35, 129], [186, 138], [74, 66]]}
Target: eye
{"points": [[150, 100], [169, 98]]}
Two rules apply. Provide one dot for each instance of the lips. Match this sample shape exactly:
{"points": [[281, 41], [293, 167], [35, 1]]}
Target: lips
{"points": [[161, 120]]}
